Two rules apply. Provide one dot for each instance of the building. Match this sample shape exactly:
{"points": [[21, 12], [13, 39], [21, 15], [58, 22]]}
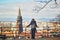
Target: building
{"points": [[19, 22]]}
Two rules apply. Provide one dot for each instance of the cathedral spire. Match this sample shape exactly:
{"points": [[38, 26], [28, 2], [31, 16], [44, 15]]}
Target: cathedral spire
{"points": [[19, 12], [19, 22]]}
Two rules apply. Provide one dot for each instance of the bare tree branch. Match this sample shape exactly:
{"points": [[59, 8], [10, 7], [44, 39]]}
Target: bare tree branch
{"points": [[39, 9]]}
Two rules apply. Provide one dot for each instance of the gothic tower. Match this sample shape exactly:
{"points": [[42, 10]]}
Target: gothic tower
{"points": [[19, 22]]}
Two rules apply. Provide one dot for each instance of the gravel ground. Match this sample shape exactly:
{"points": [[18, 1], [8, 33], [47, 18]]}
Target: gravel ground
{"points": [[55, 38]]}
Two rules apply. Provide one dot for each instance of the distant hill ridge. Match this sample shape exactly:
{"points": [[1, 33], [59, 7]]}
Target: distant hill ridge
{"points": [[14, 19]]}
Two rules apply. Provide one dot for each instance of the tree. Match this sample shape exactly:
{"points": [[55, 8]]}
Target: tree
{"points": [[38, 8]]}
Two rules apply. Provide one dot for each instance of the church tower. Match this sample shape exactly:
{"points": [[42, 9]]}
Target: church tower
{"points": [[19, 22]]}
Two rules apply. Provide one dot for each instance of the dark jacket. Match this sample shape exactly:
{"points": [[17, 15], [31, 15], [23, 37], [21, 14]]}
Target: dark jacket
{"points": [[33, 22]]}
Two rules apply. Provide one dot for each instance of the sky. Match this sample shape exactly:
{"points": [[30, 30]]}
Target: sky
{"points": [[9, 9]]}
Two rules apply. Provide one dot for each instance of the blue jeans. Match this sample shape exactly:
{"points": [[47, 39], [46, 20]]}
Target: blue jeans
{"points": [[33, 30]]}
